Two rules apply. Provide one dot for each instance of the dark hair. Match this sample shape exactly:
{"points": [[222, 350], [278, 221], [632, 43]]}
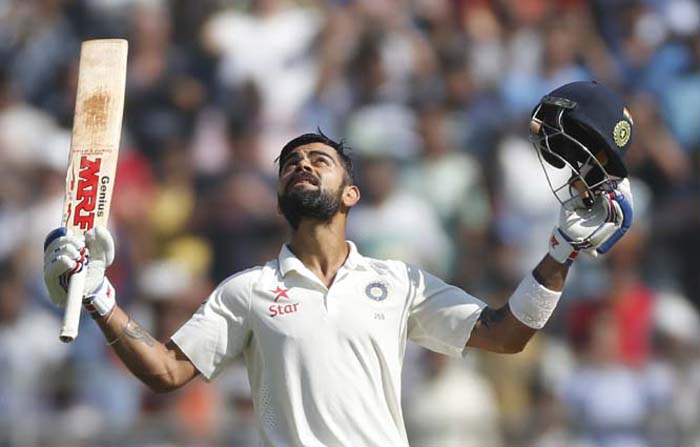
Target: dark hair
{"points": [[341, 149]]}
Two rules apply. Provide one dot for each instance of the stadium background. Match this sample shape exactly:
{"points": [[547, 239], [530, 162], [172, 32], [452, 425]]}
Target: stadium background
{"points": [[434, 97]]}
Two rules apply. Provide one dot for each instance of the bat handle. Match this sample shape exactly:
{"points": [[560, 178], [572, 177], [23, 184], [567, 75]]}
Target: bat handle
{"points": [[74, 301]]}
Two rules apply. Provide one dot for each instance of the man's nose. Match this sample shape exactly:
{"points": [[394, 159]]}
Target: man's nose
{"points": [[304, 165]]}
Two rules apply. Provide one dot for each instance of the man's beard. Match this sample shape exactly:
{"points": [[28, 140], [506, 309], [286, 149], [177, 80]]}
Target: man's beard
{"points": [[318, 204]]}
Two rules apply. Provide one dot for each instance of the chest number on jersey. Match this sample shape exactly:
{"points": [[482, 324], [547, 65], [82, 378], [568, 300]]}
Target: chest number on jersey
{"points": [[379, 316]]}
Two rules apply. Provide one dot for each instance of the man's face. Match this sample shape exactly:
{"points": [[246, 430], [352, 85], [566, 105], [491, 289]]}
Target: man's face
{"points": [[311, 184]]}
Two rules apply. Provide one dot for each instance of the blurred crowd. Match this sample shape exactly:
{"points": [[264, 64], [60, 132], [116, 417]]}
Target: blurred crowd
{"points": [[434, 98]]}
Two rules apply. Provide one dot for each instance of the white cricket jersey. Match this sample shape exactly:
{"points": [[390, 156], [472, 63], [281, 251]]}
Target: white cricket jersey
{"points": [[324, 364]]}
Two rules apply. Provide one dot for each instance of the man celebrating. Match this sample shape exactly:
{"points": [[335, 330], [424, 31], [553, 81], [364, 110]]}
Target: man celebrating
{"points": [[322, 328]]}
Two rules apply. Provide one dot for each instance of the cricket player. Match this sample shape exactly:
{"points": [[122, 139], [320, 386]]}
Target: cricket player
{"points": [[323, 329]]}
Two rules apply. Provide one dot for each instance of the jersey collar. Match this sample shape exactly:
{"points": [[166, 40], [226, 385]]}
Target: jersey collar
{"points": [[289, 262]]}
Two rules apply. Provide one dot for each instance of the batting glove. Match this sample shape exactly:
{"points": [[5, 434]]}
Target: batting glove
{"points": [[593, 230], [66, 254]]}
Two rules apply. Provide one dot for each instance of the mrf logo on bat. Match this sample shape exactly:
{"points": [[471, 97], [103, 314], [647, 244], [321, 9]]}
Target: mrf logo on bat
{"points": [[90, 194]]}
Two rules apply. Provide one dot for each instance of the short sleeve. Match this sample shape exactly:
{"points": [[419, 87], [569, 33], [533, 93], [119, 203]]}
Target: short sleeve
{"points": [[220, 329], [441, 316]]}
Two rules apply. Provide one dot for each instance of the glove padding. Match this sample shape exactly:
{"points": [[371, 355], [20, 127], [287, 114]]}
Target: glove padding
{"points": [[66, 254], [593, 230]]}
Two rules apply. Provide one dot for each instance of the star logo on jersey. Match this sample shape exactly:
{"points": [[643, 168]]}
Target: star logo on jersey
{"points": [[282, 309], [280, 293]]}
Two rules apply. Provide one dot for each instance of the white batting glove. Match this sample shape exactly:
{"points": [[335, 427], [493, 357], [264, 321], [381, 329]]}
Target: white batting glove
{"points": [[66, 254], [593, 230]]}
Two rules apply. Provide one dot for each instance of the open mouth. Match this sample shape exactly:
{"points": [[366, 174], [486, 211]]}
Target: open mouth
{"points": [[303, 179]]}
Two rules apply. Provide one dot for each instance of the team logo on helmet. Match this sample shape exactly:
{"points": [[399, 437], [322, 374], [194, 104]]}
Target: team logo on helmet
{"points": [[622, 133], [377, 290]]}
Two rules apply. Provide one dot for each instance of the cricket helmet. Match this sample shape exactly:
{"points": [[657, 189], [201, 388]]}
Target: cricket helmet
{"points": [[586, 128]]}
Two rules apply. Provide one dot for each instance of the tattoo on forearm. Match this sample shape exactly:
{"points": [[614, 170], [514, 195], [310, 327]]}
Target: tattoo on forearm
{"points": [[490, 317], [136, 332]]}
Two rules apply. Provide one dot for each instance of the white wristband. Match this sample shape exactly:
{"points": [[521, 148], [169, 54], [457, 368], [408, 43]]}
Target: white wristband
{"points": [[532, 303], [102, 301]]}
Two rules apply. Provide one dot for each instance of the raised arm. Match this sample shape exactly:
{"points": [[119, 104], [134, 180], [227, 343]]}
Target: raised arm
{"points": [[162, 367], [498, 330], [591, 230]]}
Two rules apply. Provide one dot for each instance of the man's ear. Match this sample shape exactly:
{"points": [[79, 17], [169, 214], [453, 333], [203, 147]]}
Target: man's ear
{"points": [[351, 195]]}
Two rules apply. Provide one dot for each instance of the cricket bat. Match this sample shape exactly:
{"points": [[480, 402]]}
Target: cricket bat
{"points": [[92, 163]]}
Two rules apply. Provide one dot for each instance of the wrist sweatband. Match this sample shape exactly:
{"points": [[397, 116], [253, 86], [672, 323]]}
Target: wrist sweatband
{"points": [[561, 249], [532, 303], [101, 301]]}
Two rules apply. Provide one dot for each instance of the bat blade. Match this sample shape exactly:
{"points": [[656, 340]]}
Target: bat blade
{"points": [[92, 163]]}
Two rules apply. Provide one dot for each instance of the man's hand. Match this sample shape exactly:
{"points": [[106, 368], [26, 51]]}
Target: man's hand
{"points": [[592, 230], [161, 367], [66, 254]]}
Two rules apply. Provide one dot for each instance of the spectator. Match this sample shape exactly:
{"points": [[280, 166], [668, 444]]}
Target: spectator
{"points": [[436, 413], [392, 223], [30, 354]]}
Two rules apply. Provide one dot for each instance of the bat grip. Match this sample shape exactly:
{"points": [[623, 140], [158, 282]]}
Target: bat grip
{"points": [[74, 301]]}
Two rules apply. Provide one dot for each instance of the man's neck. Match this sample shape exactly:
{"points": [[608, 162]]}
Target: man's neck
{"points": [[321, 247]]}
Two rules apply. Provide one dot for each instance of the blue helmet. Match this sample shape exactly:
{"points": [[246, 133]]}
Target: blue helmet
{"points": [[585, 127]]}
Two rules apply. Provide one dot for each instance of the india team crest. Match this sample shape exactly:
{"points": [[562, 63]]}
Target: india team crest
{"points": [[622, 132], [377, 290]]}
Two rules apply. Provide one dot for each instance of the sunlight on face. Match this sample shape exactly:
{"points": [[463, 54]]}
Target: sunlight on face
{"points": [[311, 166]]}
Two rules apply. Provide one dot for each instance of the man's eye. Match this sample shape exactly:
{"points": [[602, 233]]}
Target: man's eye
{"points": [[322, 160]]}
